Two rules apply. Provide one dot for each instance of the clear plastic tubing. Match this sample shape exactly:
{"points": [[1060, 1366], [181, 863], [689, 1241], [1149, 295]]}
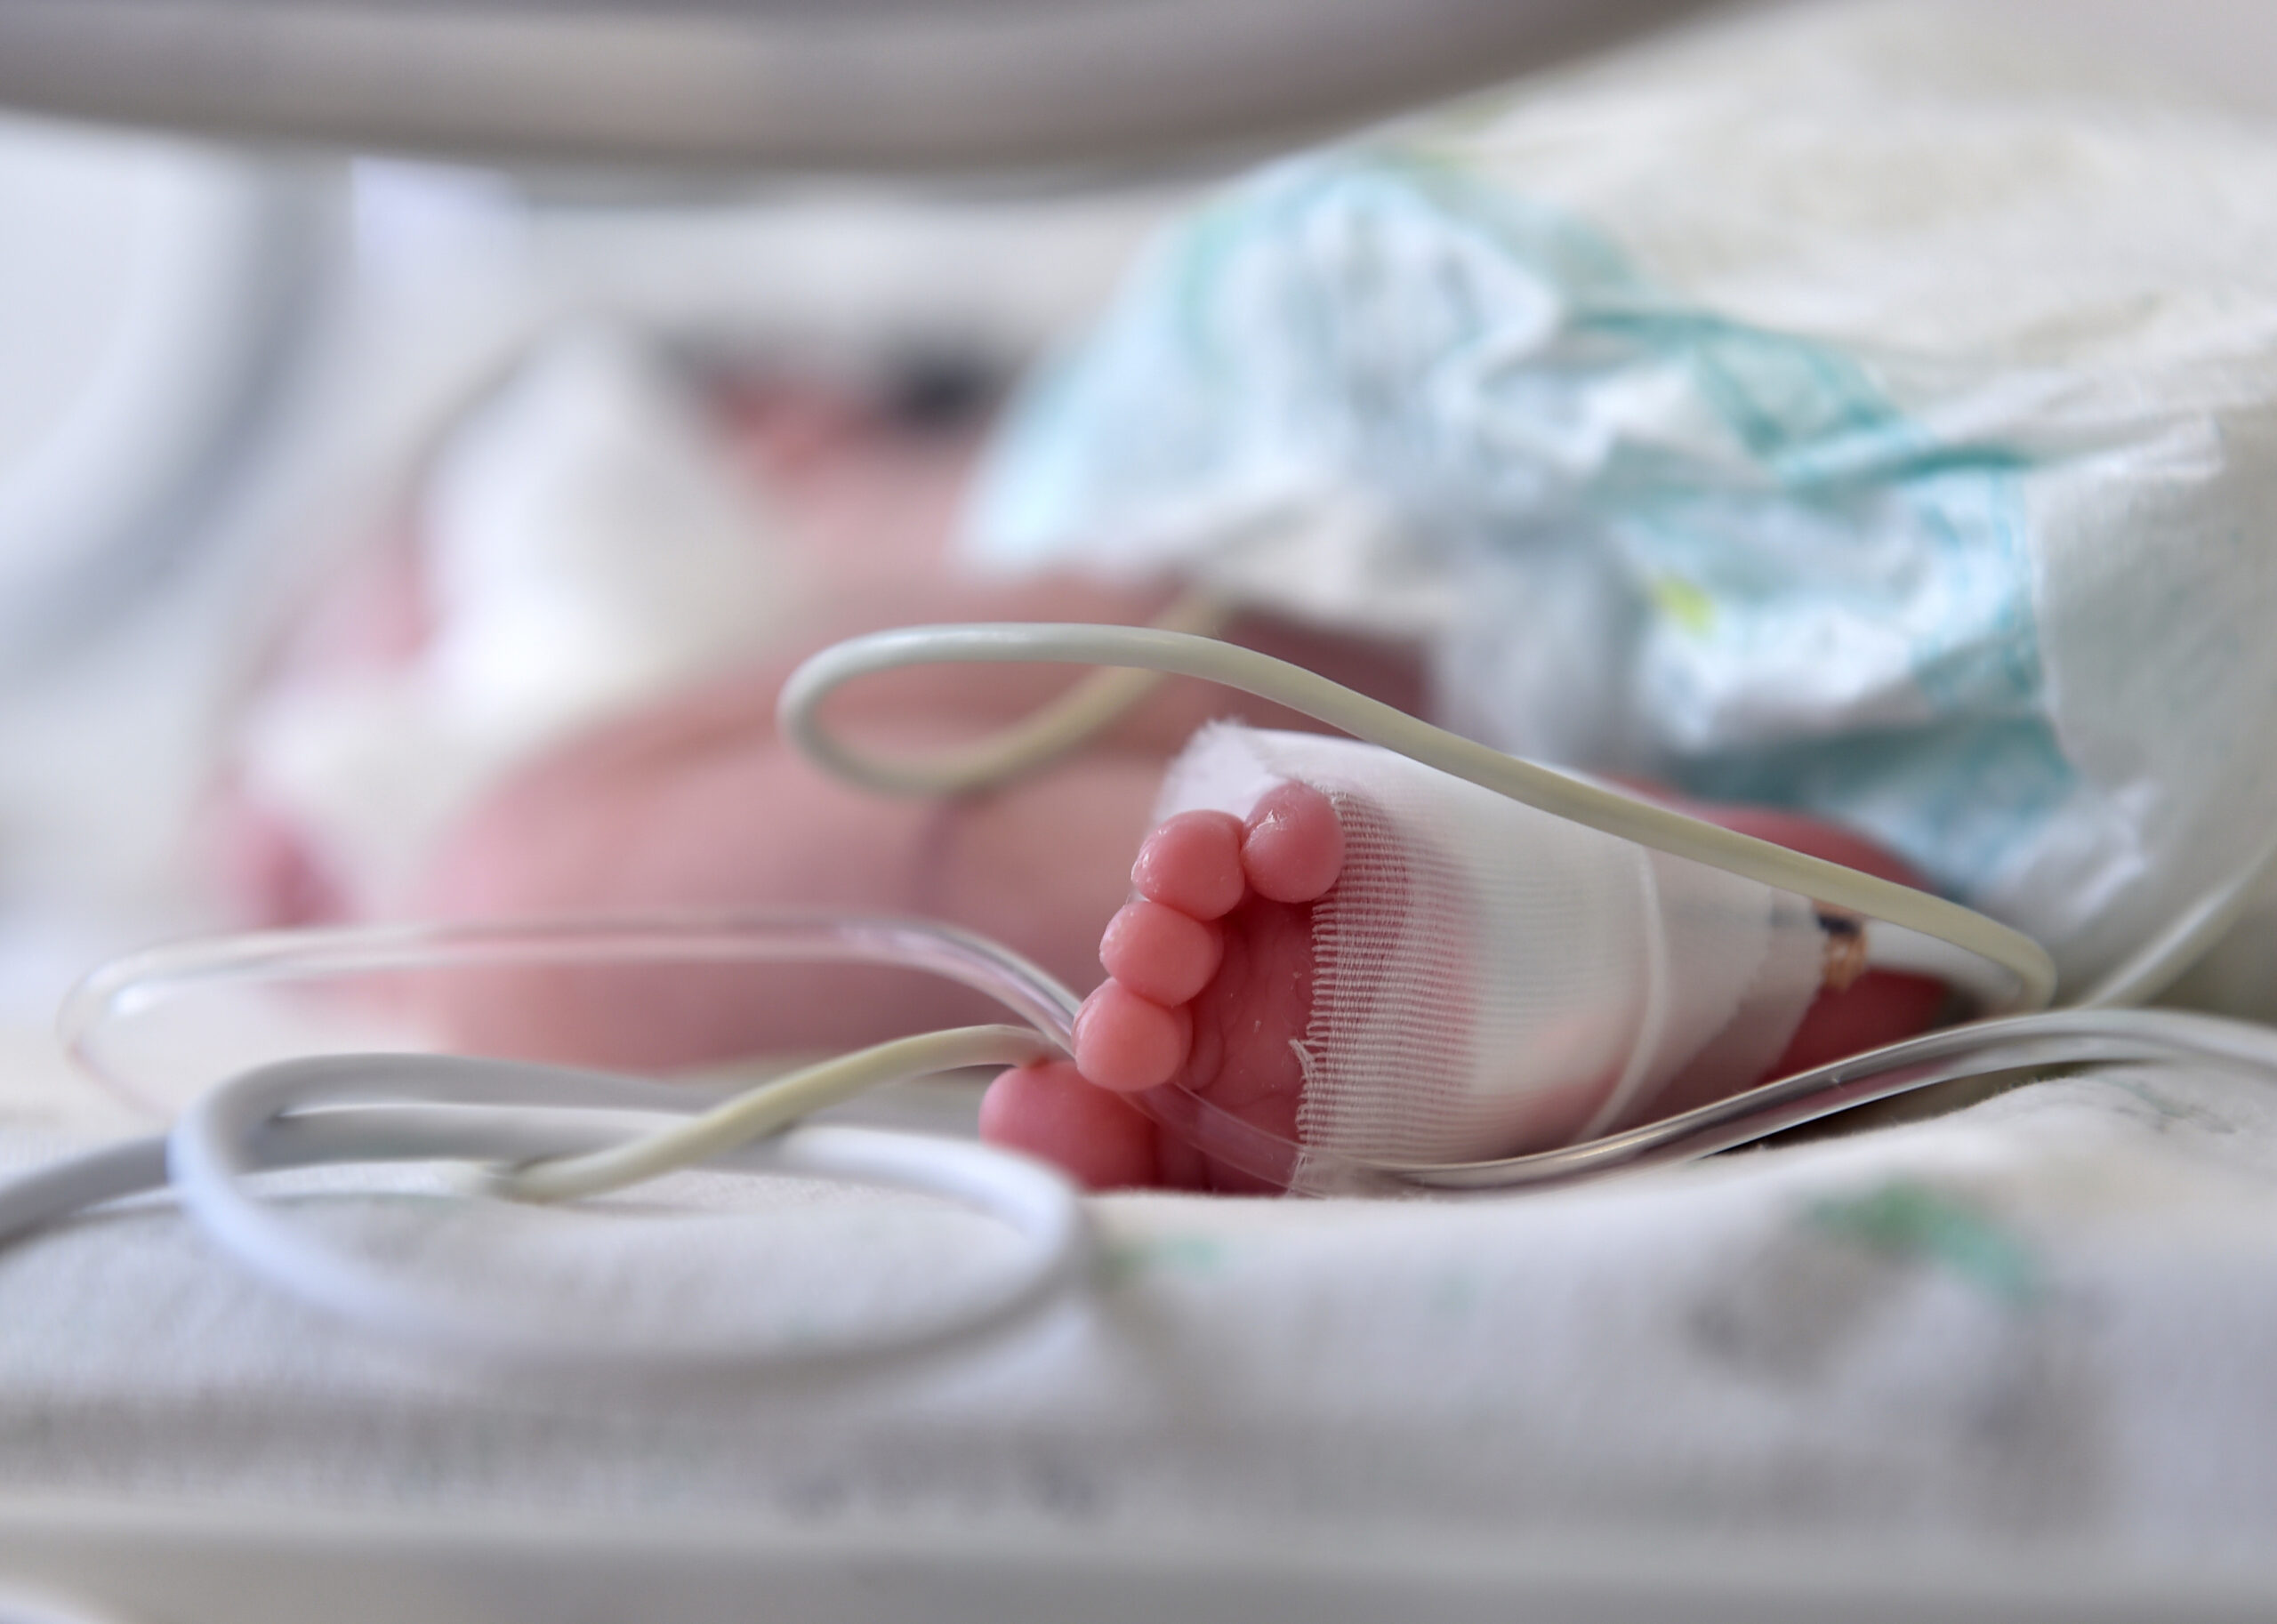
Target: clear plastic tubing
{"points": [[122, 988]]}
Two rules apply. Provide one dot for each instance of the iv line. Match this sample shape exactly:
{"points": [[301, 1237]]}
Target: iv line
{"points": [[562, 1133], [2006, 970], [2022, 978]]}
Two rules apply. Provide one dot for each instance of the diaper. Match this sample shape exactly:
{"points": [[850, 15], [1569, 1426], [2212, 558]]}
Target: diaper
{"points": [[1489, 979], [1852, 411]]}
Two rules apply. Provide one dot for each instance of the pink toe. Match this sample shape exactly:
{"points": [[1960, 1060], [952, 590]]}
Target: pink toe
{"points": [[1051, 1112], [1125, 1043], [1193, 862], [1160, 953], [1293, 848]]}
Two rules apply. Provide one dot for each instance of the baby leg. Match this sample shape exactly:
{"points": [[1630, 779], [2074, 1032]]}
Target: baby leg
{"points": [[1211, 967], [696, 802]]}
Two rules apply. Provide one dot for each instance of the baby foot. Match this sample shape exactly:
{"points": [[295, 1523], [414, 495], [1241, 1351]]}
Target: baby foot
{"points": [[1209, 986], [1210, 973]]}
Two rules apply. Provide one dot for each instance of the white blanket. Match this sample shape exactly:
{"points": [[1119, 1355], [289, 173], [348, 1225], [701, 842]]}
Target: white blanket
{"points": [[2042, 1320]]}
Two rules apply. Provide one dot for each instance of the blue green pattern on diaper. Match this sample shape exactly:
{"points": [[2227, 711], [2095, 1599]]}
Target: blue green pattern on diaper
{"points": [[1393, 321]]}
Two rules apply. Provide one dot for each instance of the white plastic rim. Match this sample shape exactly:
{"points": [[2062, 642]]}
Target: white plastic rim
{"points": [[797, 85], [42, 1607]]}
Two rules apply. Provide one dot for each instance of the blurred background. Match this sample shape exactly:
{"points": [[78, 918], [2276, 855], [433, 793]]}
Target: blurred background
{"points": [[235, 375]]}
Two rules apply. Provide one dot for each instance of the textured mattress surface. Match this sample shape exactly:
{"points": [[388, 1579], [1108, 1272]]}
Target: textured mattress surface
{"points": [[2041, 1320]]}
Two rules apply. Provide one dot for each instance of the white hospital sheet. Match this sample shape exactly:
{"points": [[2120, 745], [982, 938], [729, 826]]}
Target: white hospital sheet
{"points": [[2040, 1325]]}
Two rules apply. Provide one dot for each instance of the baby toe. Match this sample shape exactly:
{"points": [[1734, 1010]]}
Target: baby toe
{"points": [[1127, 1044], [1193, 862], [1160, 953], [1292, 848], [1050, 1112]]}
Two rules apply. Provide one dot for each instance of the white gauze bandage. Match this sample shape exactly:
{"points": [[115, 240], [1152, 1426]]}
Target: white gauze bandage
{"points": [[1489, 979]]}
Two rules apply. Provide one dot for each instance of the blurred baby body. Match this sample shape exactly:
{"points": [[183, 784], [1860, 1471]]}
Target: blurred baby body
{"points": [[601, 530]]}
